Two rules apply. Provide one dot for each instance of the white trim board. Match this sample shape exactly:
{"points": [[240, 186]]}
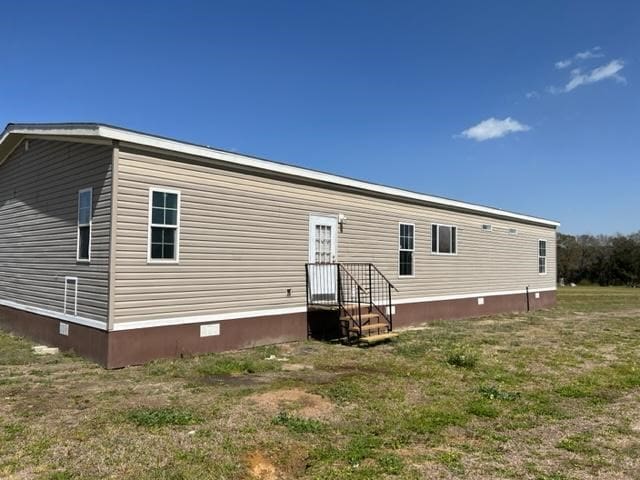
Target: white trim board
{"points": [[165, 322], [93, 131], [87, 322], [216, 317], [439, 298]]}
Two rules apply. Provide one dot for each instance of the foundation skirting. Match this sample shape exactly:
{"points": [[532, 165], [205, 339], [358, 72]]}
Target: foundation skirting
{"points": [[115, 349]]}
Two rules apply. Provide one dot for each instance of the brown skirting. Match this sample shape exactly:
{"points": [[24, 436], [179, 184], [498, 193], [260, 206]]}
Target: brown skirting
{"points": [[86, 341], [130, 347]]}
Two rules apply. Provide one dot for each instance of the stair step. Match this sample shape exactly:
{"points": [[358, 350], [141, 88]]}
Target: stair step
{"points": [[373, 326], [364, 316], [378, 338]]}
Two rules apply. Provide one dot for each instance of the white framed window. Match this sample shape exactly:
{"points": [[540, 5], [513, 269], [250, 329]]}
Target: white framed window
{"points": [[487, 227], [164, 226], [542, 257], [512, 231], [406, 248], [444, 239], [85, 208]]}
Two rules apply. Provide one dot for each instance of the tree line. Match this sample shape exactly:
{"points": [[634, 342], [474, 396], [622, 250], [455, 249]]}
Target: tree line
{"points": [[601, 259]]}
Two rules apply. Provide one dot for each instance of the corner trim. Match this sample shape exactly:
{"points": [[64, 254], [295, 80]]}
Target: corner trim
{"points": [[113, 230], [87, 322]]}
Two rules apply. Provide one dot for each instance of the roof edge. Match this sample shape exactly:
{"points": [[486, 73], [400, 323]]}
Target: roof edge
{"points": [[168, 144]]}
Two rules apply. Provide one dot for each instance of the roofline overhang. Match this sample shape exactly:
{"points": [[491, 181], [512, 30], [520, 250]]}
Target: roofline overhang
{"points": [[111, 133]]}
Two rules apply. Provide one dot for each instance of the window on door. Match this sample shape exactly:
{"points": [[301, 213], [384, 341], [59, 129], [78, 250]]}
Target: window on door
{"points": [[323, 244], [406, 249]]}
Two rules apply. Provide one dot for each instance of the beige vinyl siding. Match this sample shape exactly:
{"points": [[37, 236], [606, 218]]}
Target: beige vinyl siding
{"points": [[244, 242], [38, 225]]}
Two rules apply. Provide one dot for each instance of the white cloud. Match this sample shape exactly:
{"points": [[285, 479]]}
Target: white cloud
{"points": [[563, 64], [494, 128], [603, 72], [595, 52], [532, 94]]}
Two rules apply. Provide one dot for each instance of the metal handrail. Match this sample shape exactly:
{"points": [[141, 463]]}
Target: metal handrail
{"points": [[383, 276], [348, 275]]}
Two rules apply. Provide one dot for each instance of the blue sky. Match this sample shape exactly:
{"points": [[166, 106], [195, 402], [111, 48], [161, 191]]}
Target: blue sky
{"points": [[384, 91]]}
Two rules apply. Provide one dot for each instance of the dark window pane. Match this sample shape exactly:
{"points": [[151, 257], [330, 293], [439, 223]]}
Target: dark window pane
{"points": [[445, 240], [434, 238], [83, 243], [406, 236], [169, 235], [158, 199], [406, 263], [453, 239], [542, 246], [171, 217], [171, 200], [168, 250], [156, 250], [157, 216], [156, 235]]}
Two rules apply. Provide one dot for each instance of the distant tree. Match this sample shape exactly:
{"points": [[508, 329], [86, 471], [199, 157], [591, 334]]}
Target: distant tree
{"points": [[602, 259]]}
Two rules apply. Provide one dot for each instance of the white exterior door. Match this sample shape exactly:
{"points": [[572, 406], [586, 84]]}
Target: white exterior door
{"points": [[323, 235]]}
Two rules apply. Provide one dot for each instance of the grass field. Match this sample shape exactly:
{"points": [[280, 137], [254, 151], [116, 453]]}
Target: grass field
{"points": [[553, 394]]}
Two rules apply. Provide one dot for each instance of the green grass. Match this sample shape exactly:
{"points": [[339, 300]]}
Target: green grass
{"points": [[297, 424], [552, 394], [160, 417]]}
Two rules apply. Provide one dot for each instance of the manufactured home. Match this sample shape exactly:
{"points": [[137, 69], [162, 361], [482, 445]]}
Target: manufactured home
{"points": [[126, 247]]}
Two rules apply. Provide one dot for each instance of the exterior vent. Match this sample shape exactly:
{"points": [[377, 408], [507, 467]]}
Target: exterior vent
{"points": [[513, 231], [487, 227], [210, 330], [64, 329]]}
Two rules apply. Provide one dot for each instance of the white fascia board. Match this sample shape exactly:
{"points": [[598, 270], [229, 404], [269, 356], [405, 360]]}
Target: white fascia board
{"points": [[152, 141]]}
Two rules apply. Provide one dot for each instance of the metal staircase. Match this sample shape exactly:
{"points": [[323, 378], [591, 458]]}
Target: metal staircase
{"points": [[361, 295]]}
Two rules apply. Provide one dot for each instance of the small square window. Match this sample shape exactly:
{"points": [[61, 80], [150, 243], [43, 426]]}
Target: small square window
{"points": [[444, 239]]}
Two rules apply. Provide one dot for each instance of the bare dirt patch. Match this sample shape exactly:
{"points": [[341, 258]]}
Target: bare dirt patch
{"points": [[260, 467], [307, 405]]}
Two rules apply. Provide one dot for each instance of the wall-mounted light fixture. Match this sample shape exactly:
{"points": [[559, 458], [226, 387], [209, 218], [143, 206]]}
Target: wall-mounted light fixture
{"points": [[341, 219]]}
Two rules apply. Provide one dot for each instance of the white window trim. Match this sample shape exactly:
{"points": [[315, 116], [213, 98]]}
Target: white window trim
{"points": [[438, 240], [80, 192], [490, 229], [150, 224], [510, 232], [74, 280], [413, 257], [546, 245]]}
